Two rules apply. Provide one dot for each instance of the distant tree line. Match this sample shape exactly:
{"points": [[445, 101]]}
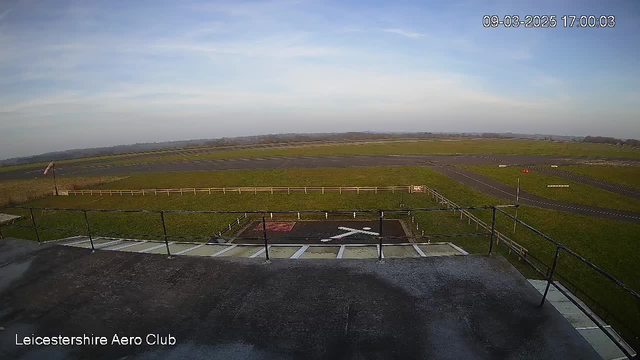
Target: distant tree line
{"points": [[292, 138], [610, 140]]}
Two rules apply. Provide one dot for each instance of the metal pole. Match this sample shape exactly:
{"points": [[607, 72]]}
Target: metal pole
{"points": [[493, 229], [86, 220], [380, 237], [550, 279], [515, 221], [164, 232], [264, 235], [55, 183], [35, 227]]}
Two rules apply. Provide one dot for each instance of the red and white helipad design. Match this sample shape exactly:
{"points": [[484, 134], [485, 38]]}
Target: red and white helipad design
{"points": [[276, 226]]}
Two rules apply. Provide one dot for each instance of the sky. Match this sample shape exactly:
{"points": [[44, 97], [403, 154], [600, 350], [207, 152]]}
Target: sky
{"points": [[77, 74]]}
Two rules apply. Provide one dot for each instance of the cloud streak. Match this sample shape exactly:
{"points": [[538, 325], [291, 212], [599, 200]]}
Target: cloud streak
{"points": [[405, 33]]}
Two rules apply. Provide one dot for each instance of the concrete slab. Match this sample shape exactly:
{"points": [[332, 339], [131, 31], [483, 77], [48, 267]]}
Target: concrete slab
{"points": [[142, 246], [321, 252], [399, 251], [457, 307], [174, 248], [96, 242], [71, 240], [207, 250], [242, 251], [360, 252], [438, 249], [602, 344], [121, 245], [579, 320], [280, 252]]}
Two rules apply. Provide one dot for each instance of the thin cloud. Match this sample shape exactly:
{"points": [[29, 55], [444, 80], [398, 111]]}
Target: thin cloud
{"points": [[405, 33]]}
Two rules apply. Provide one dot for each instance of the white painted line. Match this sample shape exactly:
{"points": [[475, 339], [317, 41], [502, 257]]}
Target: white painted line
{"points": [[258, 253], [76, 243], [108, 243], [353, 231], [592, 327], [419, 251], [189, 249], [224, 250], [153, 248], [67, 238], [340, 252], [128, 245], [459, 249], [299, 252]]}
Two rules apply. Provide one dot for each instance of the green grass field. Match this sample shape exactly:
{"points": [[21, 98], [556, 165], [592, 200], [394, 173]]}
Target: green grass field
{"points": [[479, 146], [610, 244], [536, 183], [624, 175]]}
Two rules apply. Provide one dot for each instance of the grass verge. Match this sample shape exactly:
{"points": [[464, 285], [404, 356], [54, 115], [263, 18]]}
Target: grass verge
{"points": [[609, 244], [536, 183], [624, 175]]}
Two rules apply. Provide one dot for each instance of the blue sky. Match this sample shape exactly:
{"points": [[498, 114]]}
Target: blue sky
{"points": [[79, 74]]}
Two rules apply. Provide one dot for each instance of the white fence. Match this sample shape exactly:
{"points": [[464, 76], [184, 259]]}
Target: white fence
{"points": [[513, 246], [251, 189]]}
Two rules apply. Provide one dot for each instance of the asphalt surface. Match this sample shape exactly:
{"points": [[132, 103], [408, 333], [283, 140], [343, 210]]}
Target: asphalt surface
{"points": [[498, 189], [290, 162], [603, 184], [442, 163], [455, 307], [310, 232]]}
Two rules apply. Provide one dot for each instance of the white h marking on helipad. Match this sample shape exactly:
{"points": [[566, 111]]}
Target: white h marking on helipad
{"points": [[349, 233]]}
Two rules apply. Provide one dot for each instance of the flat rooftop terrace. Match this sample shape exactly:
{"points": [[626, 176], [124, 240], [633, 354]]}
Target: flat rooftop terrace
{"points": [[449, 307]]}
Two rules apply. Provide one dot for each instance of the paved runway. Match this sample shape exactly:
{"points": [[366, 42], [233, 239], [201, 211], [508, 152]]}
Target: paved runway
{"points": [[292, 162], [498, 189], [441, 163]]}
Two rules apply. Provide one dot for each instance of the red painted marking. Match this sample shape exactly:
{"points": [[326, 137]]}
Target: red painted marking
{"points": [[276, 226]]}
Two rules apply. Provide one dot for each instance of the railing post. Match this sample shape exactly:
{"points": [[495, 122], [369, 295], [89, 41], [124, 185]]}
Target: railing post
{"points": [[550, 279], [264, 235], [86, 220], [493, 229], [35, 227], [380, 237], [164, 232]]}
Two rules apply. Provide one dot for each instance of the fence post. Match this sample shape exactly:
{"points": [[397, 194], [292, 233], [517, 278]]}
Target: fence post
{"points": [[264, 235], [550, 279], [35, 227], [380, 236], [493, 229], [164, 232], [86, 220]]}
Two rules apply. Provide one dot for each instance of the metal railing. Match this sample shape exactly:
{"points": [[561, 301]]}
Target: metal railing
{"points": [[559, 247], [379, 214], [248, 190]]}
